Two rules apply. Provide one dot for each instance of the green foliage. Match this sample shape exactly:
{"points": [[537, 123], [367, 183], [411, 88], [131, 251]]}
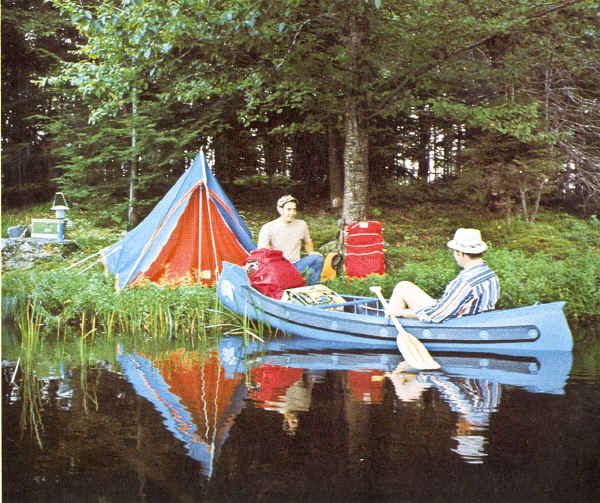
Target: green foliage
{"points": [[66, 298], [263, 190], [23, 216], [526, 279], [542, 238], [34, 37], [179, 74], [558, 258], [323, 228], [472, 79], [520, 121], [432, 275], [408, 193]]}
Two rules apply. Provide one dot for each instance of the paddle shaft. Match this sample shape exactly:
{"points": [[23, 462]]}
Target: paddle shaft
{"points": [[412, 349]]}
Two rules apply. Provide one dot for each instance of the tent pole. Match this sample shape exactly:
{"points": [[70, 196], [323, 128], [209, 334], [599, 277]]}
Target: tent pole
{"points": [[201, 187], [212, 235]]}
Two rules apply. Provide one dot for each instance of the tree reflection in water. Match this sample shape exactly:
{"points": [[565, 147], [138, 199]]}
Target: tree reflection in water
{"points": [[180, 425]]}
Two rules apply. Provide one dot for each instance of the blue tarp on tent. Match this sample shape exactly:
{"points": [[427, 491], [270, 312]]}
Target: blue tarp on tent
{"points": [[185, 237]]}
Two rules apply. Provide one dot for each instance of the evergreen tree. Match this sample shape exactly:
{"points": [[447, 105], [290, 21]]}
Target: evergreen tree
{"points": [[33, 37]]}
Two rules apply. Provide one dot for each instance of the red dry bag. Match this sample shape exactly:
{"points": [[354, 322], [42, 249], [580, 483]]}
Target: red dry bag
{"points": [[270, 273], [364, 249]]}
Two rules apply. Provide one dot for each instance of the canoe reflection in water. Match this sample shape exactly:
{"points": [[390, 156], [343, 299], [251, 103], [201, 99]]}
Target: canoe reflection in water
{"points": [[469, 383]]}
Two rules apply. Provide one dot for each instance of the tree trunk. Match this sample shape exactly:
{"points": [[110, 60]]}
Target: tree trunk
{"points": [[297, 171], [356, 169], [536, 205], [336, 170], [356, 151], [272, 148], [508, 210], [223, 147], [449, 138], [272, 155], [131, 218], [20, 155], [423, 149], [523, 194], [458, 156]]}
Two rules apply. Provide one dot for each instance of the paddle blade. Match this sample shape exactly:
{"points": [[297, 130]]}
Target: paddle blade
{"points": [[411, 348], [414, 352]]}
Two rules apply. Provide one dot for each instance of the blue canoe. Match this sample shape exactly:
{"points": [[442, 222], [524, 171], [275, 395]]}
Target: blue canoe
{"points": [[360, 320]]}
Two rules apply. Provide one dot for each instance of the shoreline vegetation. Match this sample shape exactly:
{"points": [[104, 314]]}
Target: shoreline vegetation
{"points": [[555, 258]]}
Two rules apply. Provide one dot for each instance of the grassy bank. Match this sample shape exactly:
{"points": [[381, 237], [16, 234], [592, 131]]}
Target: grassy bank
{"points": [[555, 258]]}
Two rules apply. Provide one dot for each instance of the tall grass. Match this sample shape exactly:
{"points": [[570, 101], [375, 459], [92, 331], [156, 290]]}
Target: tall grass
{"points": [[89, 301], [557, 258], [30, 324]]}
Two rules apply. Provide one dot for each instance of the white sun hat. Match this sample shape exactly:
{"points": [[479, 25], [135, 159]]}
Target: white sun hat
{"points": [[467, 241]]}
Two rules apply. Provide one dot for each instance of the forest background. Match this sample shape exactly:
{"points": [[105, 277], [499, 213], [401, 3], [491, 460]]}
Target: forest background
{"points": [[433, 112]]}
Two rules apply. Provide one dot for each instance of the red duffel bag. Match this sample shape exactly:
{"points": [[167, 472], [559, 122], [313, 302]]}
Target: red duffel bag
{"points": [[270, 273]]}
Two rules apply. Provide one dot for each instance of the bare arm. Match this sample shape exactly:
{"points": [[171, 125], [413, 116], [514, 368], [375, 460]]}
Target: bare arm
{"points": [[264, 241]]}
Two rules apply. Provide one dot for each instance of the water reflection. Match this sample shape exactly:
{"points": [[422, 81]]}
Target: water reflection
{"points": [[30, 389], [191, 391], [282, 389], [37, 382], [190, 425], [474, 400], [200, 395], [470, 383]]}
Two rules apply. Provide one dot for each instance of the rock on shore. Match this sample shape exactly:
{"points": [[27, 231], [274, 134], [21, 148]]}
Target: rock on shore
{"points": [[24, 253]]}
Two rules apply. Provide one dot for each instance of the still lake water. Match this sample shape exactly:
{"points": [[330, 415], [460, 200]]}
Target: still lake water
{"points": [[123, 421]]}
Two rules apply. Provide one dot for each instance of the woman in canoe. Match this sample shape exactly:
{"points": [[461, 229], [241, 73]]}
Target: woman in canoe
{"points": [[474, 290]]}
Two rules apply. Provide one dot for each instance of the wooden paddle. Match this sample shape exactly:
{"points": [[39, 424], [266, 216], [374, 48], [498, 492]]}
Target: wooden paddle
{"points": [[411, 348]]}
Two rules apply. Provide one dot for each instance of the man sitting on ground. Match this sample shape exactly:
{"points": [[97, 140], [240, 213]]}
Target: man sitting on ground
{"points": [[287, 234], [474, 290]]}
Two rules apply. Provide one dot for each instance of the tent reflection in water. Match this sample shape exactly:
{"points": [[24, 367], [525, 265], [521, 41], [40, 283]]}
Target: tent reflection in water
{"points": [[198, 402], [185, 238]]}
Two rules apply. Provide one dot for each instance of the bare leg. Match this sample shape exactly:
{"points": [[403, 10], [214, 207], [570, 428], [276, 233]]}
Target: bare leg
{"points": [[408, 295]]}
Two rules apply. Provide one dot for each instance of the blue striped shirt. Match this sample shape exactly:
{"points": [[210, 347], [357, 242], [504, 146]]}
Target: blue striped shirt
{"points": [[473, 291]]}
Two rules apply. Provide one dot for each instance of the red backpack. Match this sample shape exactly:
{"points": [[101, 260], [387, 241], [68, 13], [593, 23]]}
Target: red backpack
{"points": [[364, 249], [270, 273]]}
